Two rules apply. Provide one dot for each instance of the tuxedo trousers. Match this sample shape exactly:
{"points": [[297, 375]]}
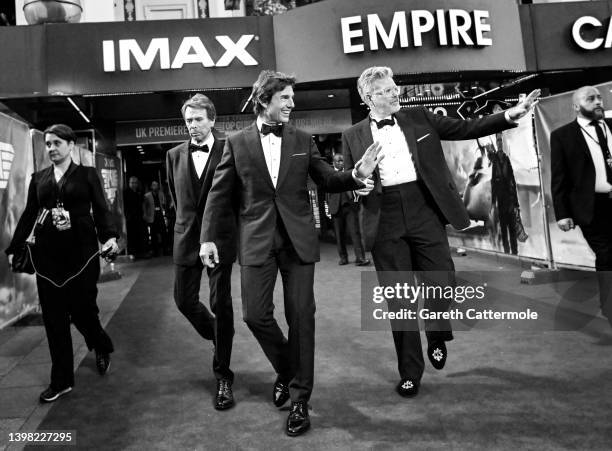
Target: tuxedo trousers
{"points": [[217, 326], [411, 242], [292, 357]]}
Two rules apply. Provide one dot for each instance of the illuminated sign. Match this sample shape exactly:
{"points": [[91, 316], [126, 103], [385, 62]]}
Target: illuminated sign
{"points": [[190, 51], [453, 27], [597, 43]]}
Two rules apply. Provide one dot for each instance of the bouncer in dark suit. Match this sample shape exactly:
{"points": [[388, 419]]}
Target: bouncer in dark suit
{"points": [[344, 210], [65, 255], [581, 182], [266, 166], [191, 166], [404, 217]]}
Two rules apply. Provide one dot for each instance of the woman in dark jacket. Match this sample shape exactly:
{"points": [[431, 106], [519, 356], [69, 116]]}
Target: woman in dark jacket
{"points": [[65, 255]]}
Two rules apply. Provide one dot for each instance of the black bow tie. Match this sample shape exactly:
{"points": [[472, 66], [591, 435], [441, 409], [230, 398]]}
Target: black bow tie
{"points": [[381, 124], [196, 148], [277, 129]]}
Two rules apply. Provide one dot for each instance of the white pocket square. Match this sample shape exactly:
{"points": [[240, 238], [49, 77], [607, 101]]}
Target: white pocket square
{"points": [[423, 137], [298, 154]]}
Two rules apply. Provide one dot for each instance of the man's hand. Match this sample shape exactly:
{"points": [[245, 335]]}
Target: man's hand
{"points": [[566, 224], [209, 254], [10, 260], [369, 161], [369, 186], [520, 110]]}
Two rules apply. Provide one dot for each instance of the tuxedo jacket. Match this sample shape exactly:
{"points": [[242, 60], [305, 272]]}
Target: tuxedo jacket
{"points": [[423, 131], [572, 173], [61, 253], [190, 197], [242, 185]]}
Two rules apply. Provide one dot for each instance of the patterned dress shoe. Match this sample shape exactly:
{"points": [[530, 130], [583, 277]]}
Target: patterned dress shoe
{"points": [[102, 363], [407, 388], [436, 352], [225, 397], [50, 394], [280, 393], [298, 420]]}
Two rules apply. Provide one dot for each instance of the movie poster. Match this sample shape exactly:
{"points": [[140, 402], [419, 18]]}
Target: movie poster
{"points": [[18, 293], [499, 178]]}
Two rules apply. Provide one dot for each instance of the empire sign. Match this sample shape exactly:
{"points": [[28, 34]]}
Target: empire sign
{"points": [[191, 50], [453, 27]]}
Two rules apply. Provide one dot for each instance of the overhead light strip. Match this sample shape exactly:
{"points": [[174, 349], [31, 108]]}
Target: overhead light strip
{"points": [[78, 110]]}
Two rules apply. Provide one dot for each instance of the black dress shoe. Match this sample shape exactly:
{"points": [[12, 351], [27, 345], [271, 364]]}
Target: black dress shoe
{"points": [[343, 261], [280, 393], [225, 397], [102, 362], [407, 388], [362, 262], [436, 352], [298, 421]]}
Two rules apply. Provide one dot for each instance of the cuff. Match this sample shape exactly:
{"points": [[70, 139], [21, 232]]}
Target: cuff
{"points": [[509, 119]]}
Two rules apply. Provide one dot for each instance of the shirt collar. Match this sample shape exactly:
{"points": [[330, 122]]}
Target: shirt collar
{"points": [[583, 122], [208, 141], [260, 121]]}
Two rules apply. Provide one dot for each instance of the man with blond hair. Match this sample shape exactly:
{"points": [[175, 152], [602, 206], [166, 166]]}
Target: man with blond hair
{"points": [[414, 197]]}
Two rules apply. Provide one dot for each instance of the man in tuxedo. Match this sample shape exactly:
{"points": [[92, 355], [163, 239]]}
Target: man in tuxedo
{"points": [[581, 182], [414, 197], [191, 166], [262, 177], [344, 210]]}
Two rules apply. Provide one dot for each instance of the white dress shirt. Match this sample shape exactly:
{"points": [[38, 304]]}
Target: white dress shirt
{"points": [[199, 157], [271, 145], [590, 136], [397, 167]]}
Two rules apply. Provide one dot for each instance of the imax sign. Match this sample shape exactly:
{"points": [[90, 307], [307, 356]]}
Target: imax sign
{"points": [[190, 51]]}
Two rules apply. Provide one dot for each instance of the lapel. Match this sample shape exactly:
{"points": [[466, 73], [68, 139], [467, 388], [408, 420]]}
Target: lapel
{"points": [[214, 157], [288, 145], [580, 140], [252, 143], [364, 132], [408, 130], [185, 173], [61, 183]]}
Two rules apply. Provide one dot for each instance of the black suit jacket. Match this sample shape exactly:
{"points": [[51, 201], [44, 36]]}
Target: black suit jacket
{"points": [[58, 254], [423, 131], [190, 200], [243, 173], [572, 173]]}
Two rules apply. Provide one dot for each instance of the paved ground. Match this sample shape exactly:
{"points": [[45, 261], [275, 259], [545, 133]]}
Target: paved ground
{"points": [[502, 388]]}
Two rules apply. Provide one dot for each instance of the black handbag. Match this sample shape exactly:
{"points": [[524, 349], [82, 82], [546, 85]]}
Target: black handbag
{"points": [[22, 257]]}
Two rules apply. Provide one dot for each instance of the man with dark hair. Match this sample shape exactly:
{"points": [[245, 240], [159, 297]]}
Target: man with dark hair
{"points": [[581, 182], [404, 217], [262, 177], [191, 166]]}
